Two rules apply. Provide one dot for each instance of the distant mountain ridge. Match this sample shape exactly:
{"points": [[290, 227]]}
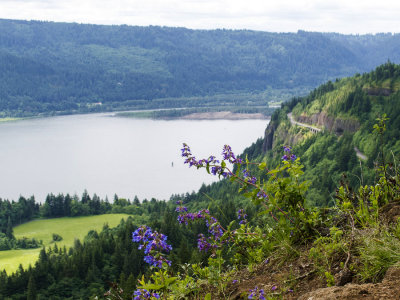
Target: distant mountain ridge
{"points": [[47, 66]]}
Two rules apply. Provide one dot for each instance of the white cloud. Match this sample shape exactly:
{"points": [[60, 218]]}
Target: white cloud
{"points": [[271, 15]]}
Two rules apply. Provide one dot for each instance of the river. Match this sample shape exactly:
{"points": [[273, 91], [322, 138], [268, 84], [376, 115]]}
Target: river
{"points": [[111, 155]]}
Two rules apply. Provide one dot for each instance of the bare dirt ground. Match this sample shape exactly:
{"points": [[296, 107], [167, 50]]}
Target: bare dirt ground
{"points": [[297, 280]]}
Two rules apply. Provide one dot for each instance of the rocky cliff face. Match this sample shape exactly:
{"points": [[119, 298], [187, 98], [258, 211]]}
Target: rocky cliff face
{"points": [[336, 125], [269, 136], [280, 133]]}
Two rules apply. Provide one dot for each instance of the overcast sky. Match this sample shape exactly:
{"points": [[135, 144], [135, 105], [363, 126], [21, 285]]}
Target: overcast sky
{"points": [[345, 16]]}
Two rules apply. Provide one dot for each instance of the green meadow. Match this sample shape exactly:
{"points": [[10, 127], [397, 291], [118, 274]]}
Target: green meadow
{"points": [[69, 228], [3, 120]]}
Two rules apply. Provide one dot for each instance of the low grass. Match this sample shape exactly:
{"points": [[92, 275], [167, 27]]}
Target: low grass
{"points": [[69, 228]]}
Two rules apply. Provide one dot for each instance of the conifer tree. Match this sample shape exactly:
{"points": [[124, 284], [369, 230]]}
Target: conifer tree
{"points": [[31, 295], [9, 230]]}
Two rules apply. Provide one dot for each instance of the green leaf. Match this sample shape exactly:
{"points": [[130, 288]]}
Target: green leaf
{"points": [[151, 286], [208, 297], [262, 166], [223, 164], [230, 225]]}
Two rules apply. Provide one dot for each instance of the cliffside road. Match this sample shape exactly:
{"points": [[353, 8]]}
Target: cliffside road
{"points": [[312, 128], [359, 154]]}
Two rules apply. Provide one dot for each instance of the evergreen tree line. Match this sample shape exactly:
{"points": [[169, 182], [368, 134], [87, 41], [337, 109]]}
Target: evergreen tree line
{"points": [[89, 268]]}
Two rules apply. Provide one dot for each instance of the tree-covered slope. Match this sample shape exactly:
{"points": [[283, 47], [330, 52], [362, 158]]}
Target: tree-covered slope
{"points": [[346, 111], [46, 66]]}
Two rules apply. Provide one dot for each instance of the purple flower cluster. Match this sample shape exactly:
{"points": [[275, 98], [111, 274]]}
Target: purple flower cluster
{"points": [[288, 155], [217, 170], [181, 209], [242, 216], [256, 294], [191, 160], [185, 218], [248, 177], [153, 243], [230, 156], [262, 194], [144, 294], [214, 228], [287, 149], [203, 244]]}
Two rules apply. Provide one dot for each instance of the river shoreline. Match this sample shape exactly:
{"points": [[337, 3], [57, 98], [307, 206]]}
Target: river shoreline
{"points": [[224, 115]]}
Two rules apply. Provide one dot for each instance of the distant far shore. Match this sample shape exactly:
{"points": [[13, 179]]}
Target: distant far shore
{"points": [[246, 113], [223, 115]]}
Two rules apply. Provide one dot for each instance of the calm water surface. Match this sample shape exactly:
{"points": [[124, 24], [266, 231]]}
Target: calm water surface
{"points": [[109, 155]]}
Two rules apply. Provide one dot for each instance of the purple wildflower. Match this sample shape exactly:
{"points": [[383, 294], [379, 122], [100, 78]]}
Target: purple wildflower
{"points": [[242, 216], [262, 194], [141, 234], [157, 242], [228, 155], [234, 281], [287, 148], [152, 261], [140, 294], [225, 174], [215, 170], [288, 155], [186, 150], [252, 180], [153, 243], [185, 218], [203, 244], [274, 288], [248, 177], [181, 209], [212, 160], [256, 294]]}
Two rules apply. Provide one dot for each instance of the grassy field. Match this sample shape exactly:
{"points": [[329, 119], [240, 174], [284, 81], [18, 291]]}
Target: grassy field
{"points": [[2, 120], [69, 228]]}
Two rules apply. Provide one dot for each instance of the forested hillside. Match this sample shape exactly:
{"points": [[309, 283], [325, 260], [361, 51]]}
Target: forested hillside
{"points": [[49, 67], [346, 111]]}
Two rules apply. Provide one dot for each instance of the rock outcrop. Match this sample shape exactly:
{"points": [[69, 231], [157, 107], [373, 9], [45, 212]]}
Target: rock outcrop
{"points": [[269, 136], [336, 125]]}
